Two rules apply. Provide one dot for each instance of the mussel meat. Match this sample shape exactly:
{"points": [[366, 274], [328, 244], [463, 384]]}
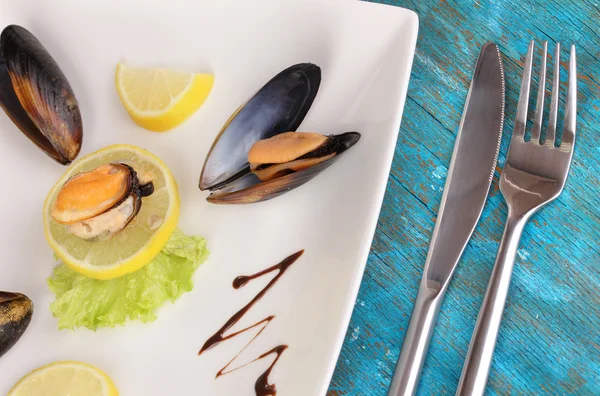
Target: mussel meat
{"points": [[16, 310], [96, 205], [37, 97], [294, 151], [258, 155]]}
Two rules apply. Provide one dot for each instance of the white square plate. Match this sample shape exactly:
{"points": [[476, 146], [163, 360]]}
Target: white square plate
{"points": [[365, 52]]}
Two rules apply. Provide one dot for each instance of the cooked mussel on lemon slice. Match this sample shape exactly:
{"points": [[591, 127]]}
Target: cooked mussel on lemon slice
{"points": [[112, 211], [258, 155], [16, 310], [95, 205], [37, 97]]}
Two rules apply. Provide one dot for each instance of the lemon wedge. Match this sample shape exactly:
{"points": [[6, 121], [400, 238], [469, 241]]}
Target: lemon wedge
{"points": [[160, 99], [140, 241], [65, 378]]}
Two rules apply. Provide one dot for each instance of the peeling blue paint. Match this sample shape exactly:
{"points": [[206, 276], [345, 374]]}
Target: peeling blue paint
{"points": [[440, 172]]}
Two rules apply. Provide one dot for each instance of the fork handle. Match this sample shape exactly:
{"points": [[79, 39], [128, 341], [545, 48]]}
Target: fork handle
{"points": [[481, 350]]}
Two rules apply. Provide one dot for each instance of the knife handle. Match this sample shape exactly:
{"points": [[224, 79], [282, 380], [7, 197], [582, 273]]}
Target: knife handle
{"points": [[416, 342]]}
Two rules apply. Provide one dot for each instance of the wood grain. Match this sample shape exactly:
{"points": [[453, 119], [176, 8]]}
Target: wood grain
{"points": [[549, 342]]}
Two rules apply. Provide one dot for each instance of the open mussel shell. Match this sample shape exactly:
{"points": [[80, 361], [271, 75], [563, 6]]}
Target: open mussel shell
{"points": [[16, 310], [250, 189], [37, 97], [279, 106]]}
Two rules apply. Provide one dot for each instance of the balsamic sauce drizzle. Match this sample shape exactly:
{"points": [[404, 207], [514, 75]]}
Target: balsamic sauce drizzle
{"points": [[262, 386]]}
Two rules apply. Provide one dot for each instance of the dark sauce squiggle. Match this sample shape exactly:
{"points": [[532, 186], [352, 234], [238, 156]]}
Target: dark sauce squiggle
{"points": [[262, 386]]}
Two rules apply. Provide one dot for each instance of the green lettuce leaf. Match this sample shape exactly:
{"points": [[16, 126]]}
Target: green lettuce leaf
{"points": [[92, 303]]}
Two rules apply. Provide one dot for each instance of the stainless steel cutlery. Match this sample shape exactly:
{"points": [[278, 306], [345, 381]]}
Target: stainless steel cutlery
{"points": [[534, 175]]}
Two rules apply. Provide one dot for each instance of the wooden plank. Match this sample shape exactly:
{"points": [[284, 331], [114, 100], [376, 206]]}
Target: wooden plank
{"points": [[550, 337]]}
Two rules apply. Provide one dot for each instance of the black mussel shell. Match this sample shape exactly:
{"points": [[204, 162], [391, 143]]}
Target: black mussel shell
{"points": [[135, 190], [279, 106], [250, 189], [16, 310], [37, 97], [146, 189]]}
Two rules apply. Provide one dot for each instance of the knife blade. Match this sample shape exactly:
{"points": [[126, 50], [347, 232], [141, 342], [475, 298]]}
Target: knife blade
{"points": [[466, 189]]}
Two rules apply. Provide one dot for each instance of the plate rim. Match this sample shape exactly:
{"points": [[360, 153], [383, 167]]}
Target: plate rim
{"points": [[378, 197]]}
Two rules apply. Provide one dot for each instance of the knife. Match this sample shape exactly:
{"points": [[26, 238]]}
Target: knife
{"points": [[467, 185]]}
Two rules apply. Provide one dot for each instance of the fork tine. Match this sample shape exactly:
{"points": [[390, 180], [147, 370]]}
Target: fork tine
{"points": [[571, 105], [551, 131], [521, 118], [539, 108]]}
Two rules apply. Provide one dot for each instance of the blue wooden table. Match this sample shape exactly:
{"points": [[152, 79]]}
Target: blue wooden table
{"points": [[549, 343]]}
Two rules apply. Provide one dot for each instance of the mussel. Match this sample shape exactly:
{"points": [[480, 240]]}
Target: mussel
{"points": [[291, 152], [16, 310], [96, 205], [37, 97], [258, 155]]}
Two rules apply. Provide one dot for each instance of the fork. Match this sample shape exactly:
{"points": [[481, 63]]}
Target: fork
{"points": [[534, 175]]}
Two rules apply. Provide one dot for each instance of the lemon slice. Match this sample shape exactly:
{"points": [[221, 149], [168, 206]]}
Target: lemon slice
{"points": [[140, 241], [160, 99], [65, 378]]}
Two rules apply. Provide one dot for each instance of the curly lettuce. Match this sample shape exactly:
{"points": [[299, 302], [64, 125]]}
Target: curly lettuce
{"points": [[85, 302]]}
